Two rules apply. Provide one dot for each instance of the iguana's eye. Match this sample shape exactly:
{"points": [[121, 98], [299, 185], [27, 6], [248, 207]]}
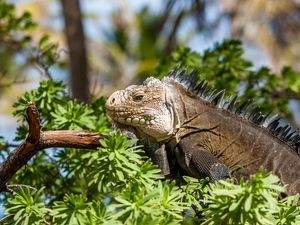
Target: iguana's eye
{"points": [[138, 98]]}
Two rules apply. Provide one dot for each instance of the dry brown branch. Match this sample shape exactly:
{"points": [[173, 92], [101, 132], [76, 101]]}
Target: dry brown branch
{"points": [[38, 140], [172, 36]]}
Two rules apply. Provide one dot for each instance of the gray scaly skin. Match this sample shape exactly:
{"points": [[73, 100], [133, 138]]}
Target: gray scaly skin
{"points": [[208, 135]]}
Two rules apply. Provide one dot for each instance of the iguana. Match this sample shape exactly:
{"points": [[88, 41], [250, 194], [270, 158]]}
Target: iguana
{"points": [[208, 134]]}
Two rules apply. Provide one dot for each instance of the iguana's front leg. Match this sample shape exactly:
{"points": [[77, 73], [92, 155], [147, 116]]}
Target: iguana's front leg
{"points": [[200, 163], [161, 159], [158, 153]]}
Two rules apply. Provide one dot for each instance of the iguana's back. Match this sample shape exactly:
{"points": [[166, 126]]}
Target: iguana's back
{"points": [[240, 144]]}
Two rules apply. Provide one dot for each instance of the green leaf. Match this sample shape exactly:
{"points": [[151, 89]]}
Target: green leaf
{"points": [[25, 205]]}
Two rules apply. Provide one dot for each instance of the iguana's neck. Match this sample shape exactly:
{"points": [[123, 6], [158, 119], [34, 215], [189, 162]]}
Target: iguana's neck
{"points": [[184, 105]]}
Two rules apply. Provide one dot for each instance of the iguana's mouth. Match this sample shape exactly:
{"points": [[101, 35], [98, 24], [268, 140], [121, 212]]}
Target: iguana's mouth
{"points": [[125, 117]]}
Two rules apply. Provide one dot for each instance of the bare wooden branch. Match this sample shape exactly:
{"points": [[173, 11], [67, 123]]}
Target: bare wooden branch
{"points": [[38, 140], [34, 123], [70, 139]]}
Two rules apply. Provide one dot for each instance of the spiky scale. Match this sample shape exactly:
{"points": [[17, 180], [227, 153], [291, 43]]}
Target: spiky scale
{"points": [[198, 87], [270, 119], [266, 117], [285, 131], [273, 125], [180, 76], [217, 98], [248, 113], [254, 115], [232, 104], [277, 130], [243, 106], [259, 119], [289, 136], [296, 142], [295, 138], [173, 73], [202, 90], [226, 103], [191, 80], [209, 93]]}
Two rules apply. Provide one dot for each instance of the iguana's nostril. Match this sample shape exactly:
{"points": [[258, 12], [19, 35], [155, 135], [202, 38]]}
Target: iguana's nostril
{"points": [[113, 100]]}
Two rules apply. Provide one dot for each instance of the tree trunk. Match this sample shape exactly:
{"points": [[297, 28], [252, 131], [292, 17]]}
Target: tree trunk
{"points": [[77, 50]]}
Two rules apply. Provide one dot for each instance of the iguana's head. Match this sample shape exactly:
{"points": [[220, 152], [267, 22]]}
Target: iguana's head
{"points": [[143, 107]]}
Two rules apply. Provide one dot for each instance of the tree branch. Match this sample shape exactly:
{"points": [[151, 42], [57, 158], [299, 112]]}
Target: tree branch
{"points": [[172, 36], [285, 94], [38, 140], [70, 139]]}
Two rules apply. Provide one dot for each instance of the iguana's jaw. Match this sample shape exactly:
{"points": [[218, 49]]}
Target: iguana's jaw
{"points": [[151, 115]]}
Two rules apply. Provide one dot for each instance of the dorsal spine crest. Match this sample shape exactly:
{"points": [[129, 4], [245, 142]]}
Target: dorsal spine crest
{"points": [[248, 109]]}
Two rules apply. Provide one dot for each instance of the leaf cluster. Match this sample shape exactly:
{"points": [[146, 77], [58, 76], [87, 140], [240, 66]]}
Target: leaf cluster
{"points": [[250, 202], [18, 40], [10, 23]]}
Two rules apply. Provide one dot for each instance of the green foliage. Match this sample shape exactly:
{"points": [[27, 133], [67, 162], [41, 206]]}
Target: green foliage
{"points": [[251, 202], [26, 207], [10, 22], [160, 204], [73, 116], [71, 210], [195, 190], [46, 97], [17, 40], [132, 182], [2, 141], [117, 162], [14, 36], [288, 211], [45, 54], [96, 214]]}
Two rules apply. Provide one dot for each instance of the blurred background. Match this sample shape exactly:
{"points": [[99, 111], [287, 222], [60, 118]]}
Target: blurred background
{"points": [[101, 46]]}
